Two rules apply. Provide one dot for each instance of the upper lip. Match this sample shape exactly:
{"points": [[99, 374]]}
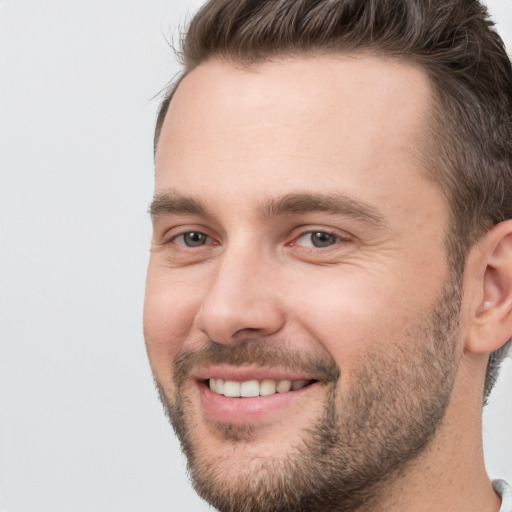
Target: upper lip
{"points": [[246, 373]]}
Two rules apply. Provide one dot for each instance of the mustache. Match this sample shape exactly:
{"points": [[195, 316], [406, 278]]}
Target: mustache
{"points": [[256, 353]]}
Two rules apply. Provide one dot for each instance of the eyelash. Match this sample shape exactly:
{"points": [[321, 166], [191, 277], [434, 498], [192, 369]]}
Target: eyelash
{"points": [[332, 239]]}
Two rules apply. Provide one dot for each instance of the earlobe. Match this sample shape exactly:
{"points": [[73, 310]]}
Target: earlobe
{"points": [[492, 315]]}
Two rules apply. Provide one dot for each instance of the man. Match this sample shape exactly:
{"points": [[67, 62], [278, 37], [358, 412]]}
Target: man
{"points": [[329, 293]]}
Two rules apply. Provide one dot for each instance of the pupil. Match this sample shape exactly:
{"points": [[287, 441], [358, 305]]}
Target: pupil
{"points": [[194, 239], [320, 239]]}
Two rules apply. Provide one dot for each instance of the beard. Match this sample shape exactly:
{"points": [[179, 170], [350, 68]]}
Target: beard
{"points": [[365, 437]]}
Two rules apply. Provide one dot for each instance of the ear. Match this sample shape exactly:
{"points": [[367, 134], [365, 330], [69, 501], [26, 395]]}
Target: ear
{"points": [[489, 272]]}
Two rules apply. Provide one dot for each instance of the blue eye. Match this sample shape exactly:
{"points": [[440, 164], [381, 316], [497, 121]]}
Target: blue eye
{"points": [[318, 239], [193, 239]]}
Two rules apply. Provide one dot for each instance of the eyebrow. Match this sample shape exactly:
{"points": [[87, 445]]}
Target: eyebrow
{"points": [[336, 204], [290, 204], [175, 204]]}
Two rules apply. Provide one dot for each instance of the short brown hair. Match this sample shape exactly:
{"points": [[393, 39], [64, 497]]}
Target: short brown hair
{"points": [[453, 41]]}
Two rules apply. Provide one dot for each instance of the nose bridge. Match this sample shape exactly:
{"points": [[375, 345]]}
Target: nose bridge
{"points": [[241, 297]]}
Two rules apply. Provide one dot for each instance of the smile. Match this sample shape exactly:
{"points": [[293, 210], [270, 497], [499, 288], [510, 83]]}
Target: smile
{"points": [[254, 388], [249, 395]]}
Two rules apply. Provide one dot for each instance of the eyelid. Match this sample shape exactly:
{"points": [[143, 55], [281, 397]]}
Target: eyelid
{"points": [[171, 234], [341, 236]]}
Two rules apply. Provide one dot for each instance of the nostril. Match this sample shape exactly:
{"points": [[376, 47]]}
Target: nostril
{"points": [[246, 332]]}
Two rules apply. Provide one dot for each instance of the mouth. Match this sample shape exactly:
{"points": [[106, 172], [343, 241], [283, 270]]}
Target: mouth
{"points": [[255, 388], [245, 396]]}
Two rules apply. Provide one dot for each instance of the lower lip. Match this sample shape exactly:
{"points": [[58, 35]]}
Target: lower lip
{"points": [[242, 411]]}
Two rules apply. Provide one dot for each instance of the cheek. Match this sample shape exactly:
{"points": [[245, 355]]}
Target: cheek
{"points": [[353, 313], [343, 323], [169, 313]]}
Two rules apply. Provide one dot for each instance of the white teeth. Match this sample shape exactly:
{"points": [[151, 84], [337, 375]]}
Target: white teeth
{"points": [[217, 385], [231, 388], [252, 388], [283, 386], [268, 387]]}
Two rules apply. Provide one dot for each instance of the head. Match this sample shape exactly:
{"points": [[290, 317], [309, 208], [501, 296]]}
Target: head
{"points": [[446, 82]]}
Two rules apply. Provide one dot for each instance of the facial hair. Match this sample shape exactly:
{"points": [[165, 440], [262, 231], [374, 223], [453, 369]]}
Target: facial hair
{"points": [[365, 437]]}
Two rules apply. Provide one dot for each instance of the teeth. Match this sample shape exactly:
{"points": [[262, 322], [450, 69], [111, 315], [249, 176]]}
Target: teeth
{"points": [[252, 388], [231, 388], [268, 387], [283, 386], [298, 384], [219, 386]]}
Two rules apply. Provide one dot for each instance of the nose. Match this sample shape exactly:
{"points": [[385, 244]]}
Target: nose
{"points": [[242, 300]]}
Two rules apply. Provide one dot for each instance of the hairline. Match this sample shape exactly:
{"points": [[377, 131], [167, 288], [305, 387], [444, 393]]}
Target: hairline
{"points": [[422, 148], [431, 120]]}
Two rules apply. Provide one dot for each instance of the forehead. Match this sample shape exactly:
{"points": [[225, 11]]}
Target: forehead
{"points": [[310, 122]]}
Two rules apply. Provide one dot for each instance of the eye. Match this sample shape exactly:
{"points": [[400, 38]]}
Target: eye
{"points": [[192, 239], [318, 239]]}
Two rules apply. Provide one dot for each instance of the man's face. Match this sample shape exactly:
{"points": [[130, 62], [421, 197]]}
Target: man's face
{"points": [[298, 255]]}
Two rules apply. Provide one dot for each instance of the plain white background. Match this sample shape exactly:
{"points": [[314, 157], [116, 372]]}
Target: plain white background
{"points": [[81, 429]]}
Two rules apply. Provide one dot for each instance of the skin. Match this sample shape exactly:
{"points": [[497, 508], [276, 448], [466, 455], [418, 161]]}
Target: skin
{"points": [[236, 140]]}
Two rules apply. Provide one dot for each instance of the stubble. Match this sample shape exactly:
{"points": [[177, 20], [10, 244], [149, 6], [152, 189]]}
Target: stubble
{"points": [[365, 436]]}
